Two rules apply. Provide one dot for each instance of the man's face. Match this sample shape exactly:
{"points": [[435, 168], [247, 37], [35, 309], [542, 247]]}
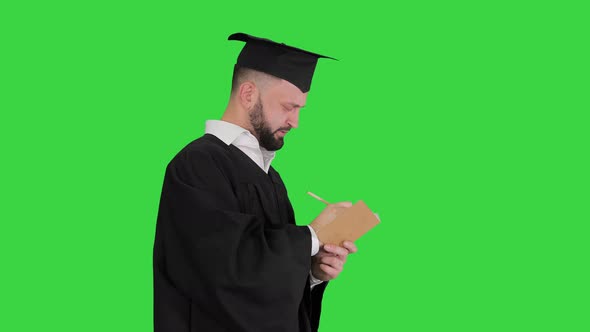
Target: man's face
{"points": [[280, 113]]}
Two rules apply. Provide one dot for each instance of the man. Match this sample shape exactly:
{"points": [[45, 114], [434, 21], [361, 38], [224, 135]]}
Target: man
{"points": [[228, 255]]}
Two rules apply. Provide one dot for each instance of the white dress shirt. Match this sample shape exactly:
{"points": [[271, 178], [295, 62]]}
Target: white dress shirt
{"points": [[241, 138]]}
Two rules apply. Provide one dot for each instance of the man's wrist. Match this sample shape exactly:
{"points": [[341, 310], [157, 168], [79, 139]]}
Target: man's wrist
{"points": [[313, 281]]}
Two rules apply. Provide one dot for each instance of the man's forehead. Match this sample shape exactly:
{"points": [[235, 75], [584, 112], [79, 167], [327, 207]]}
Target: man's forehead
{"points": [[290, 94]]}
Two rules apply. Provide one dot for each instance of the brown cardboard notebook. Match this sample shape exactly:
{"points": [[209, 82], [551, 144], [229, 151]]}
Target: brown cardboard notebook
{"points": [[349, 225]]}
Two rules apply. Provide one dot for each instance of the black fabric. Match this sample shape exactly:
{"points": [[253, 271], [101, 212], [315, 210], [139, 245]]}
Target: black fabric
{"points": [[227, 254], [289, 63]]}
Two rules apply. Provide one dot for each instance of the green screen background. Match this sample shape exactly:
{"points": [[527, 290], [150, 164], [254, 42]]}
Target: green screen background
{"points": [[463, 124]]}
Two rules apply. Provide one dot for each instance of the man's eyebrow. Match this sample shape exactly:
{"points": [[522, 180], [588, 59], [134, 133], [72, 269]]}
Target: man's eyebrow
{"points": [[295, 105]]}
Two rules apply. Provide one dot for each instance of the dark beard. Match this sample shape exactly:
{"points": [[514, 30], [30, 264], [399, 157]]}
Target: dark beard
{"points": [[264, 133]]}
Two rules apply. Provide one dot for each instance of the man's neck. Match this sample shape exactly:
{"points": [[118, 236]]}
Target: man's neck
{"points": [[232, 116]]}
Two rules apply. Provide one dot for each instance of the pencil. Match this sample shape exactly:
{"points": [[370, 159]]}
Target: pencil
{"points": [[318, 198]]}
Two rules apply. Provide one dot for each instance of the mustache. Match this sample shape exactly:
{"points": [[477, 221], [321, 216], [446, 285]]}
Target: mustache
{"points": [[283, 129]]}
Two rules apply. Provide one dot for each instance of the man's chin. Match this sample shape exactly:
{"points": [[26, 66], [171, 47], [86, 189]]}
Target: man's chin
{"points": [[277, 145], [279, 139], [272, 142]]}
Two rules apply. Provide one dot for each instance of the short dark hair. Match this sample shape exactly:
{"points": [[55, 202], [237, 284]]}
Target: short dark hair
{"points": [[236, 79], [243, 74]]}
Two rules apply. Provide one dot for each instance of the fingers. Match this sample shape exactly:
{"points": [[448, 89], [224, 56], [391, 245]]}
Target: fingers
{"points": [[329, 214], [336, 250], [333, 262], [342, 204], [351, 247], [338, 208], [331, 272], [330, 262]]}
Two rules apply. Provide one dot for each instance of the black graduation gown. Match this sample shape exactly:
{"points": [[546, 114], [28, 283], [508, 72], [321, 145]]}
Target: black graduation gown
{"points": [[227, 254]]}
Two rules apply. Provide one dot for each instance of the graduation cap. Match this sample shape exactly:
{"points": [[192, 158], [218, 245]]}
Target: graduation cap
{"points": [[289, 63]]}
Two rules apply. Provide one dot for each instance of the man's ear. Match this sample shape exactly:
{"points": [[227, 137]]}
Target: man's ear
{"points": [[248, 95]]}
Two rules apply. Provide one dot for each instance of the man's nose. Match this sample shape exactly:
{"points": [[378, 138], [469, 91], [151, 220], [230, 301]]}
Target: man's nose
{"points": [[293, 119]]}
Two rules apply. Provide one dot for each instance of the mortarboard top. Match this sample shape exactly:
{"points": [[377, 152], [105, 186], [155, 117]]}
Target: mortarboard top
{"points": [[289, 63]]}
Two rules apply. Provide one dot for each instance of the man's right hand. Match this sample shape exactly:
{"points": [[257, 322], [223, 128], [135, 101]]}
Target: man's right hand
{"points": [[328, 215]]}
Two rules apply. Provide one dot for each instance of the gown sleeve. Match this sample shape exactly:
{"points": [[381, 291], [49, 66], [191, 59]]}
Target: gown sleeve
{"points": [[230, 265]]}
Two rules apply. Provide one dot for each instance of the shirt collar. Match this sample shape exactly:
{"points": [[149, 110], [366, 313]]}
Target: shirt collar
{"points": [[225, 131], [230, 133]]}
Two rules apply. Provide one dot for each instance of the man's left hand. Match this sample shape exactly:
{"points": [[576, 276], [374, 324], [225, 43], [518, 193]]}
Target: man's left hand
{"points": [[329, 261]]}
